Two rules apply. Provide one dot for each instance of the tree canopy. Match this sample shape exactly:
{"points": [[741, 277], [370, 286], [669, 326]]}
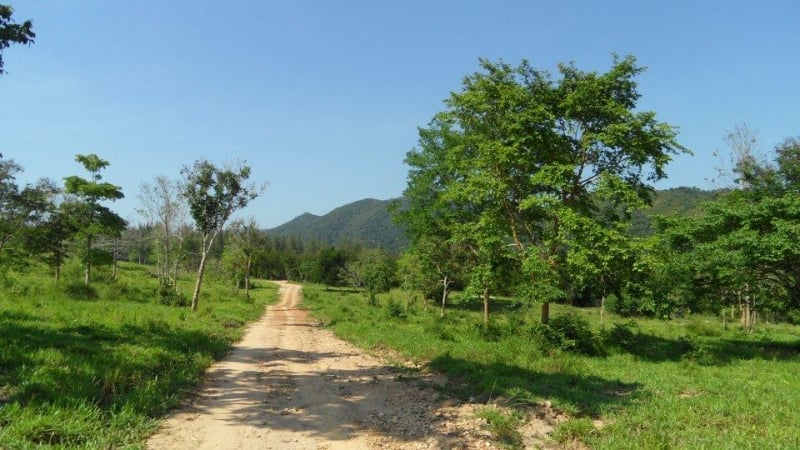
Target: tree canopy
{"points": [[12, 32], [519, 159]]}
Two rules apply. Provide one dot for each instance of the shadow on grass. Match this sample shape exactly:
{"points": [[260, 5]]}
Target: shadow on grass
{"points": [[590, 394], [497, 305], [705, 350], [41, 364]]}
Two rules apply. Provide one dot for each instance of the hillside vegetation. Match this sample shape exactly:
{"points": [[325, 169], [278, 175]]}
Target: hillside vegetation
{"points": [[366, 221]]}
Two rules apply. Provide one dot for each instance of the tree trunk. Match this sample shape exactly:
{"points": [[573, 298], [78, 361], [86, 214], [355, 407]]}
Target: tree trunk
{"points": [[200, 272], [485, 306], [88, 273], [247, 278], [545, 312], [602, 309], [175, 276], [58, 272], [445, 282], [114, 259]]}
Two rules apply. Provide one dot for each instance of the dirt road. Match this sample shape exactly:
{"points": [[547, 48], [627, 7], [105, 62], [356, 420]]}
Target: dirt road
{"points": [[292, 385]]}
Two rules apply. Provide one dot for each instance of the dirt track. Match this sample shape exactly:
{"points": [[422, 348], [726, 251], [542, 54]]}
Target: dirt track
{"points": [[292, 385]]}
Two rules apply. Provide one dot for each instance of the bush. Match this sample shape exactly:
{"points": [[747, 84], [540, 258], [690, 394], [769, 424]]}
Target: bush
{"points": [[80, 291], [569, 332], [167, 296], [395, 310], [493, 331]]}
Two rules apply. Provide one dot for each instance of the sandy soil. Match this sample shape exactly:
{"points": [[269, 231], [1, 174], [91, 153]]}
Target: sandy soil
{"points": [[290, 384]]}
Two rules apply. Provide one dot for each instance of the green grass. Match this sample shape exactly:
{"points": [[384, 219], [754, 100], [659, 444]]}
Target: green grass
{"points": [[685, 383], [96, 368]]}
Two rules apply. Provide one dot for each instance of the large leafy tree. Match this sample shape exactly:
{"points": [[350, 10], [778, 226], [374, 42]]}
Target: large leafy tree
{"points": [[213, 194], [521, 158], [12, 32], [91, 218]]}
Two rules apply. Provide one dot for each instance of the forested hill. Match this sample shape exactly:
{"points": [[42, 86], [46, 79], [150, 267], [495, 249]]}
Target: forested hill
{"points": [[670, 202], [367, 221]]}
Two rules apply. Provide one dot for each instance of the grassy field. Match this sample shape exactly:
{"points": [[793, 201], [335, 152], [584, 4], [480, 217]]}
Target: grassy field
{"points": [[96, 368], [685, 383]]}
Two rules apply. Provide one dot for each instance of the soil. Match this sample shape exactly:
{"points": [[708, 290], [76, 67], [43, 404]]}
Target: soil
{"points": [[290, 384]]}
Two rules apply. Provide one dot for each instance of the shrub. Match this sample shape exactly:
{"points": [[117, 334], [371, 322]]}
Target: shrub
{"points": [[569, 332], [167, 296], [395, 310], [80, 291]]}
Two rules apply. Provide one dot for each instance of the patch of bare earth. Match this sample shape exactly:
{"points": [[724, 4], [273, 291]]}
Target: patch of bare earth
{"points": [[290, 384]]}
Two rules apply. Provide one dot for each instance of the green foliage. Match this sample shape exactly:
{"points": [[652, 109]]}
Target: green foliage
{"points": [[80, 291], [97, 374], [571, 333], [395, 310], [366, 221], [12, 32], [167, 296], [574, 430], [212, 195], [545, 171], [503, 425], [88, 216]]}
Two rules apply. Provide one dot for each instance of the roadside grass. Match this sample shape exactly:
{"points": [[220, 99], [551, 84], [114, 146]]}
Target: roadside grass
{"points": [[96, 367], [684, 383]]}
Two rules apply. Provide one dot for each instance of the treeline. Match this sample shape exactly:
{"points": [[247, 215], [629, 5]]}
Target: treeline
{"points": [[53, 224]]}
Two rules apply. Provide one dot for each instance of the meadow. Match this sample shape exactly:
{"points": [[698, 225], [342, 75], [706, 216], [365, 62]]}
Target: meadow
{"points": [[97, 367], [627, 384]]}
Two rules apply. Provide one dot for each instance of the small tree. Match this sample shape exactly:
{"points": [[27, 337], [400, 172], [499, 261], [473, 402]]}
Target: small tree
{"points": [[213, 194], [162, 208], [245, 243], [91, 218]]}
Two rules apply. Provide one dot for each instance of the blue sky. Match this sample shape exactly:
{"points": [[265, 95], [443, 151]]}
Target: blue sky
{"points": [[324, 98]]}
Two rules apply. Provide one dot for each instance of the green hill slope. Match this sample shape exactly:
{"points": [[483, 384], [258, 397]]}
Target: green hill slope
{"points": [[367, 221]]}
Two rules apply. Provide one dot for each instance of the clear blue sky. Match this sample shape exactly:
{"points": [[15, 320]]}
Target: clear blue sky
{"points": [[324, 98]]}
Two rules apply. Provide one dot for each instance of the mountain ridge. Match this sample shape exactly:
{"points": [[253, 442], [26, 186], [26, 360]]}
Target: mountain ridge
{"points": [[369, 222]]}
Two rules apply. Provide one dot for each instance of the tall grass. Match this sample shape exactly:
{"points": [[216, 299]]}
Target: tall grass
{"points": [[686, 383], [96, 367]]}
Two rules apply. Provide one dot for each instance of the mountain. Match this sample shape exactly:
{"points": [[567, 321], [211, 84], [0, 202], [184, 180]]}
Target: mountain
{"points": [[680, 201], [367, 221]]}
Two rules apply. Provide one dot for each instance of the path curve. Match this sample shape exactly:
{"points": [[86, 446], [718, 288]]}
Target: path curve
{"points": [[290, 384]]}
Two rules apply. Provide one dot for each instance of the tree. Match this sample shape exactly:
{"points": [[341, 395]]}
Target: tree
{"points": [[21, 209], [49, 239], [163, 208], [372, 270], [245, 244], [520, 152], [90, 217], [11, 32], [213, 194]]}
